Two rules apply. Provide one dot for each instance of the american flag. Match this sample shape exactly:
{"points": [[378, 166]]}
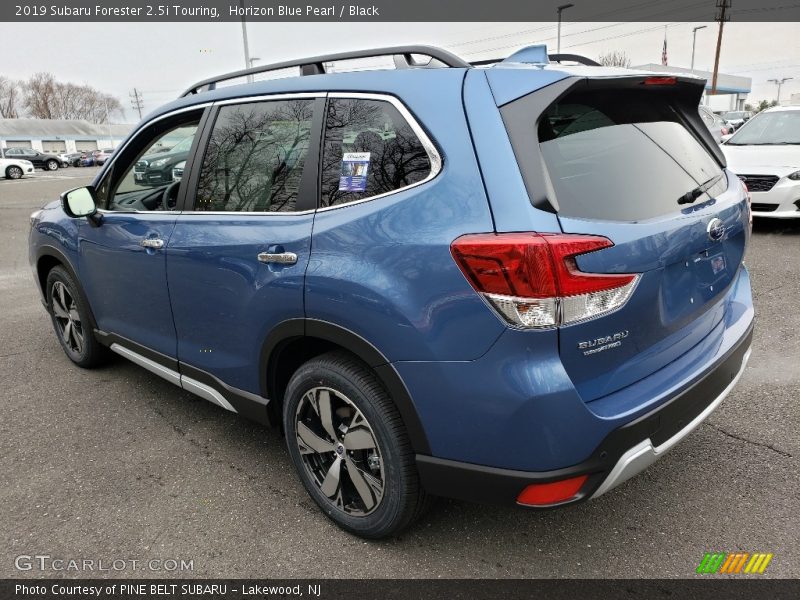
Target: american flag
{"points": [[664, 51]]}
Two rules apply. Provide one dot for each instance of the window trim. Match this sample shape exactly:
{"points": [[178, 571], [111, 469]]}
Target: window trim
{"points": [[430, 148], [209, 109]]}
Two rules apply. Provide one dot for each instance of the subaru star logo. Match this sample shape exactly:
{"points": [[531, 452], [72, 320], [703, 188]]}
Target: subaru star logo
{"points": [[715, 229]]}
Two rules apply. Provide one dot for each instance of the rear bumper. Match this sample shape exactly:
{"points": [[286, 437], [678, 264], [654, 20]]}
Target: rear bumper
{"points": [[623, 453]]}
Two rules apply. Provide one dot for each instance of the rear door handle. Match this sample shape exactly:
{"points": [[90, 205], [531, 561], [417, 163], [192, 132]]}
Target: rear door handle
{"points": [[281, 258], [152, 243]]}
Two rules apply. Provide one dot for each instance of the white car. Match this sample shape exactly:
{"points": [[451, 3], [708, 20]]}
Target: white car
{"points": [[13, 168], [765, 154], [177, 171]]}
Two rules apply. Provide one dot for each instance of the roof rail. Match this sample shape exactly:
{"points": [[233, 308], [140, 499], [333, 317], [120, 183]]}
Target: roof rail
{"points": [[403, 59], [582, 60], [556, 58]]}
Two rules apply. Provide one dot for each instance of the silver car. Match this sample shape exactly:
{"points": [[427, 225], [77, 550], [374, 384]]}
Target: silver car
{"points": [[715, 124]]}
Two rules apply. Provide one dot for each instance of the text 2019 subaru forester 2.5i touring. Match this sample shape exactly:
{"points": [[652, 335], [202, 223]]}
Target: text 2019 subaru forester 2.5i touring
{"points": [[519, 283]]}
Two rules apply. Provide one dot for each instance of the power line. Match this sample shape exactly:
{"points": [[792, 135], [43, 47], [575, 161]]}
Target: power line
{"points": [[613, 37], [703, 11], [637, 32]]}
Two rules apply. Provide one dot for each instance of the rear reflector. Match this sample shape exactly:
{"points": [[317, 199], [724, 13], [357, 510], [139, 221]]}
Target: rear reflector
{"points": [[555, 492], [533, 280]]}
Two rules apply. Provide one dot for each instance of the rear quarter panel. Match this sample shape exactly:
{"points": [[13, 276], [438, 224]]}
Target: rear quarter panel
{"points": [[383, 268]]}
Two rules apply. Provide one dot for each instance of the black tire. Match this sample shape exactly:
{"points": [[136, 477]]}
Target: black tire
{"points": [[72, 320], [357, 393], [51, 165], [14, 172]]}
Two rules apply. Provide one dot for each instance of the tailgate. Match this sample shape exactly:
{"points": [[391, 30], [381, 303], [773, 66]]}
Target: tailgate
{"points": [[628, 159]]}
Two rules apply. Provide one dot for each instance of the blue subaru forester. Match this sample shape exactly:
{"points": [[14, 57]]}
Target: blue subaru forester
{"points": [[518, 282]]}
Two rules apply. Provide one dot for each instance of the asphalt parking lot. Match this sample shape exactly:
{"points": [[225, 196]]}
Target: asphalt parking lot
{"points": [[117, 463]]}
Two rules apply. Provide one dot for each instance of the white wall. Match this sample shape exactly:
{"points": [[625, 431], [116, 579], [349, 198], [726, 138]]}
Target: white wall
{"points": [[725, 101]]}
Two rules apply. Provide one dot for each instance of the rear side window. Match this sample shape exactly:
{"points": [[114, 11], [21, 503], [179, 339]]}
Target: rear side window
{"points": [[369, 149], [255, 156], [621, 155]]}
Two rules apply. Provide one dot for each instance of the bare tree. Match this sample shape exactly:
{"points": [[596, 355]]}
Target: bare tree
{"points": [[46, 98], [9, 98], [617, 58], [39, 92]]}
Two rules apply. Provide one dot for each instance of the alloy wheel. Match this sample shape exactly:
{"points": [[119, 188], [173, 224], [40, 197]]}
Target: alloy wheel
{"points": [[14, 172], [67, 318], [339, 451]]}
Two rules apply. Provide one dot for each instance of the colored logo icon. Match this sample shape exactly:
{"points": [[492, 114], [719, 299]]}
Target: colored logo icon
{"points": [[734, 563]]}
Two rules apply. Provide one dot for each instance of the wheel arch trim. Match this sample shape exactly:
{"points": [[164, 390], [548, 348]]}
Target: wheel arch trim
{"points": [[294, 329], [52, 252]]}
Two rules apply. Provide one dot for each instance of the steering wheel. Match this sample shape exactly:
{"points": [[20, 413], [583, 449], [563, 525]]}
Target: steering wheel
{"points": [[169, 198]]}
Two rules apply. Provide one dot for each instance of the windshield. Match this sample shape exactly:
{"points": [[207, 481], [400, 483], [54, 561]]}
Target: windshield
{"points": [[780, 127], [734, 115], [184, 145]]}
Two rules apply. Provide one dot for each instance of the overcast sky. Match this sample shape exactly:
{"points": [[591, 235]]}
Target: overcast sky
{"points": [[162, 59]]}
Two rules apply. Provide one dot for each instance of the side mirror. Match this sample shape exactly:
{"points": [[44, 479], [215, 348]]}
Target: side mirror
{"points": [[80, 202]]}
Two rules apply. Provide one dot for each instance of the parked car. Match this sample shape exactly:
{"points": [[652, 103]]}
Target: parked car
{"points": [[737, 118], [156, 168], [765, 153], [520, 284], [714, 123], [73, 159], [42, 160], [177, 171], [101, 156], [12, 168]]}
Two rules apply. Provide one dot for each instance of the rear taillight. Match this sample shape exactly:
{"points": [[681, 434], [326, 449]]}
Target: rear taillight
{"points": [[533, 280]]}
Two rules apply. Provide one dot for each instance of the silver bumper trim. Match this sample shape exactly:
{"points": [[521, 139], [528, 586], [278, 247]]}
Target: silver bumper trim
{"points": [[644, 454]]}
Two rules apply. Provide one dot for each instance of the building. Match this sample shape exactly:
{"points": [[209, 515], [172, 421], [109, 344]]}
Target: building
{"points": [[794, 99], [52, 135], [731, 93]]}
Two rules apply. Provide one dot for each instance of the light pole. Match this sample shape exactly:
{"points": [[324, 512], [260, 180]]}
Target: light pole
{"points": [[561, 9], [780, 82], [244, 41], [253, 61], [694, 39]]}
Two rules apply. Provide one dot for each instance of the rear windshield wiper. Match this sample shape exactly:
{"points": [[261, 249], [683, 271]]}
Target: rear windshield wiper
{"points": [[694, 194]]}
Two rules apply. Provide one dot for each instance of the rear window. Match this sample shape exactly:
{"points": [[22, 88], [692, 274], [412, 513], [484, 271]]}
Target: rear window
{"points": [[370, 149], [622, 155]]}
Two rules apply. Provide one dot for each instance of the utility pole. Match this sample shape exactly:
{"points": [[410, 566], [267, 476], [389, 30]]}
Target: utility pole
{"points": [[559, 10], [694, 39], [137, 102], [780, 82], [108, 124], [721, 17]]}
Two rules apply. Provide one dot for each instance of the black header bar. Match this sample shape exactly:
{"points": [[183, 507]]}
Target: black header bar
{"points": [[391, 10]]}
